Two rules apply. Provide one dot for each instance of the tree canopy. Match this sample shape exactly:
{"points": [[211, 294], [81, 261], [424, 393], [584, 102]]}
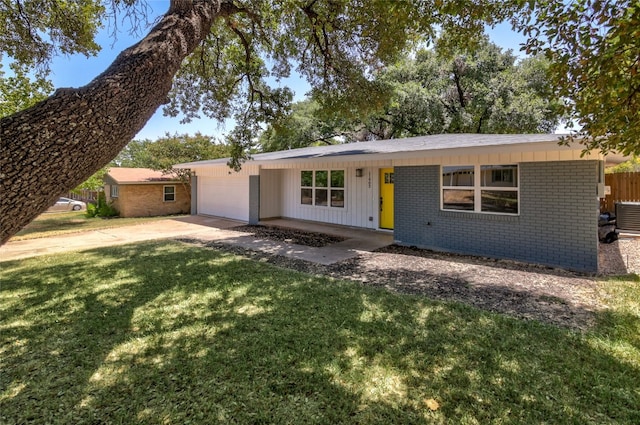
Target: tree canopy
{"points": [[217, 57], [479, 90], [93, 183], [632, 165], [18, 91], [306, 125], [594, 50], [162, 154]]}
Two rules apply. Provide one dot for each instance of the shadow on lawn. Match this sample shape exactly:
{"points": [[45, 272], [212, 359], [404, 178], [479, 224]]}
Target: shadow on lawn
{"points": [[59, 222], [530, 292], [163, 333]]}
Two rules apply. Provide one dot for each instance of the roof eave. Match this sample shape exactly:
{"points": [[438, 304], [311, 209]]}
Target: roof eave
{"points": [[111, 180], [400, 155]]}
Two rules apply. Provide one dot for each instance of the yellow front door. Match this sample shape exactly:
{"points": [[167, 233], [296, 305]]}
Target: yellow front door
{"points": [[386, 198]]}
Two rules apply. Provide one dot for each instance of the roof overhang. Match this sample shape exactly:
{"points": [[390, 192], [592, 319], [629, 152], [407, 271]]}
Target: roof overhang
{"points": [[615, 158], [110, 180], [147, 183], [424, 147]]}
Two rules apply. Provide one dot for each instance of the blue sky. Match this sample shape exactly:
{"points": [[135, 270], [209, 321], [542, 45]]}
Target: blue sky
{"points": [[78, 70]]}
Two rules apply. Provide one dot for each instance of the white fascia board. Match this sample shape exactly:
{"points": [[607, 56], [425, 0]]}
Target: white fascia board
{"points": [[440, 153], [576, 151]]}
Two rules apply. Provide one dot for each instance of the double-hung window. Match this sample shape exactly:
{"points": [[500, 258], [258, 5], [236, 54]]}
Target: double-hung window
{"points": [[169, 193], [115, 191], [481, 188], [458, 188], [322, 188]]}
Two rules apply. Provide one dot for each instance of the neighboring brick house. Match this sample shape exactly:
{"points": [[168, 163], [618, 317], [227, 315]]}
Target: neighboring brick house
{"points": [[517, 196], [142, 192]]}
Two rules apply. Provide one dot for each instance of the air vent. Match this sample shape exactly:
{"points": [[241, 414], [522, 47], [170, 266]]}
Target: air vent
{"points": [[628, 216]]}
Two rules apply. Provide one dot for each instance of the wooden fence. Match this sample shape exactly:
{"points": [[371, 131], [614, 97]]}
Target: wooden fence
{"points": [[624, 187]]}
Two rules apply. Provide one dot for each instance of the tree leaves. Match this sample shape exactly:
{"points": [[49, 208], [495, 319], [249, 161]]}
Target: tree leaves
{"points": [[594, 47], [18, 92], [32, 31], [166, 151], [483, 90], [338, 46]]}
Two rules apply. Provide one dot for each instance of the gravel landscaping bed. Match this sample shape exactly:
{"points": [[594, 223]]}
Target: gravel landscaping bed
{"points": [[517, 289], [620, 257]]}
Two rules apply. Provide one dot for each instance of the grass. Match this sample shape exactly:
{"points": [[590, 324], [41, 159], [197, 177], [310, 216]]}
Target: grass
{"points": [[53, 224], [167, 333]]}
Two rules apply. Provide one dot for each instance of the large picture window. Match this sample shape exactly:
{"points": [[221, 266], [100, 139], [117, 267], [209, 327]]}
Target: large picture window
{"points": [[322, 188], [481, 188]]}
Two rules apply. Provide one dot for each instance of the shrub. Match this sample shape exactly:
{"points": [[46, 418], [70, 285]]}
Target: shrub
{"points": [[92, 210], [101, 208], [107, 210]]}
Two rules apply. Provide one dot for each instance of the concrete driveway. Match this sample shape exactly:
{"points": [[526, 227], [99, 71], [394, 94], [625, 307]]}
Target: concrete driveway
{"points": [[193, 226], [205, 229]]}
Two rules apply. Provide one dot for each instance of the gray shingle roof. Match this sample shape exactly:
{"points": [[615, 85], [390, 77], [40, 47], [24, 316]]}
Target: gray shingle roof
{"points": [[412, 144]]}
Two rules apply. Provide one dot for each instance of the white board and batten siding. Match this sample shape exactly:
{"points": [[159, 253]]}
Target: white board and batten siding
{"points": [[225, 193], [280, 192]]}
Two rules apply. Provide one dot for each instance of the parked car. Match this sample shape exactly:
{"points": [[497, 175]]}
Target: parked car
{"points": [[66, 204]]}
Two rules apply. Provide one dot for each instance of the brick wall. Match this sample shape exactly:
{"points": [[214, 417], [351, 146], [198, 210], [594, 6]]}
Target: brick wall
{"points": [[147, 200], [557, 225]]}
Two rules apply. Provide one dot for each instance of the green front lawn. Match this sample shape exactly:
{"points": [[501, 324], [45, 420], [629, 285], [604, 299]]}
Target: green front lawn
{"points": [[167, 333], [52, 224]]}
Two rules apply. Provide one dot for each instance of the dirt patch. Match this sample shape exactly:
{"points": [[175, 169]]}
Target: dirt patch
{"points": [[521, 290], [516, 289], [292, 236]]}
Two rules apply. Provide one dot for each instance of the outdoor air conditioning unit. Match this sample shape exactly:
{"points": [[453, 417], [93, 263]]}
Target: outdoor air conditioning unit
{"points": [[628, 216]]}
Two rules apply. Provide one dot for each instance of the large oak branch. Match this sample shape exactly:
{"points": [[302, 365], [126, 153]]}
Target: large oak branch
{"points": [[60, 142]]}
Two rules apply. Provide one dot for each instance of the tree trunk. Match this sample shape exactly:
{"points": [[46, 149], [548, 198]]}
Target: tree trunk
{"points": [[57, 144]]}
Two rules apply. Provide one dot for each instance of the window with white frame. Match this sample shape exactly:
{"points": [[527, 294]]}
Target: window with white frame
{"points": [[481, 188], [322, 188], [169, 193], [115, 191]]}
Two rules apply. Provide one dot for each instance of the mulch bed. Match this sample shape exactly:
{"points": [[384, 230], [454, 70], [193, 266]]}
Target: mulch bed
{"points": [[521, 290], [292, 236]]}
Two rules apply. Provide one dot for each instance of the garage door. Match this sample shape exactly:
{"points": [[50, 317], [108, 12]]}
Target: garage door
{"points": [[224, 197]]}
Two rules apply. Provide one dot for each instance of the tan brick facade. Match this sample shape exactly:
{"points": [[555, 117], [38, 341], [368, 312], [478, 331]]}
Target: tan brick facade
{"points": [[147, 199]]}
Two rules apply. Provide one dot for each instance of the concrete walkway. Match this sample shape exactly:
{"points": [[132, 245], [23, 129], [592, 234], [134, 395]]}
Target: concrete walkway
{"points": [[206, 229], [357, 240]]}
